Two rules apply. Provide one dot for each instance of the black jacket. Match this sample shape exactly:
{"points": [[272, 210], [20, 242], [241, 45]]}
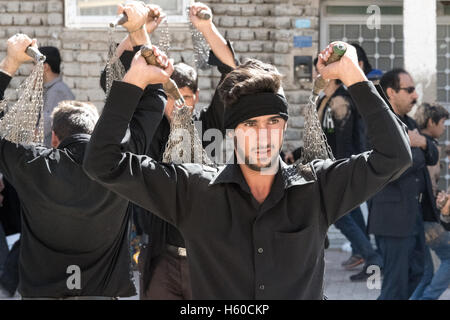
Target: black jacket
{"points": [[237, 248], [69, 219], [394, 210]]}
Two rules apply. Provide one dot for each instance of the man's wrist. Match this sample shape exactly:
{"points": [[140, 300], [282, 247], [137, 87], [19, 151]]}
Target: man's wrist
{"points": [[207, 29], [135, 79], [9, 66], [139, 37], [354, 77]]}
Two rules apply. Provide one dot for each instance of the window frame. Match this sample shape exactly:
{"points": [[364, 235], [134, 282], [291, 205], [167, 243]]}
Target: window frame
{"points": [[326, 19], [74, 21]]}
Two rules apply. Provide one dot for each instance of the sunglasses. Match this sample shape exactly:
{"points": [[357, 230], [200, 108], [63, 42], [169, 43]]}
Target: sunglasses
{"points": [[408, 89]]}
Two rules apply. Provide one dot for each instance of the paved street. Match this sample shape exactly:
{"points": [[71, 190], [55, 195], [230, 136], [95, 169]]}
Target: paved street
{"points": [[339, 287], [337, 283]]}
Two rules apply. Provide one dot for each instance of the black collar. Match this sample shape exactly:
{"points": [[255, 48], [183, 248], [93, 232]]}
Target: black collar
{"points": [[287, 175], [74, 139]]}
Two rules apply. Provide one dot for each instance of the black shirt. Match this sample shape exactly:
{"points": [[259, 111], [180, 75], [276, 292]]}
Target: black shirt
{"points": [[69, 219], [236, 248]]}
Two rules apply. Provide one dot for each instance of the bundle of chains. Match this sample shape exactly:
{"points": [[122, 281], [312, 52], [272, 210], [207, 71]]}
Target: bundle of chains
{"points": [[23, 121], [114, 67], [201, 47], [315, 144], [164, 36], [184, 144]]}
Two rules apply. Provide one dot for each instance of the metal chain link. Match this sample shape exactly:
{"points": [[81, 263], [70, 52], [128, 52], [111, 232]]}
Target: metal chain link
{"points": [[23, 121], [164, 37], [200, 46], [184, 144], [315, 145], [114, 67]]}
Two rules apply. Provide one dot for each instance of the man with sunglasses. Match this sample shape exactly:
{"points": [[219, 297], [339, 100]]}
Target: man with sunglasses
{"points": [[395, 212]]}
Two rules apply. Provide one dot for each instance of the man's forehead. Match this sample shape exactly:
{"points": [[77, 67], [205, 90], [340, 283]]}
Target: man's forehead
{"points": [[406, 80], [186, 91], [265, 117]]}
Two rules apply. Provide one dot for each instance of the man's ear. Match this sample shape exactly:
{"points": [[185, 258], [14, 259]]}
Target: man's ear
{"points": [[389, 93], [55, 140], [361, 64], [430, 123]]}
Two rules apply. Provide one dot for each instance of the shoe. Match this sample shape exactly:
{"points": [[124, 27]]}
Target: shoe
{"points": [[361, 276], [353, 262]]}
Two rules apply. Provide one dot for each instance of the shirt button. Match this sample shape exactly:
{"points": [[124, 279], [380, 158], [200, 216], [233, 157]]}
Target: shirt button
{"points": [[261, 287], [260, 250]]}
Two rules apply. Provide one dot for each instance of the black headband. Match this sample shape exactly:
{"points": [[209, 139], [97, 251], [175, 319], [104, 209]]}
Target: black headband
{"points": [[255, 105]]}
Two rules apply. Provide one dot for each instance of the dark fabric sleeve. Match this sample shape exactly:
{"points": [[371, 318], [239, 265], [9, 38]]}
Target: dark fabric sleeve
{"points": [[212, 116], [431, 152], [146, 118], [346, 183], [222, 67], [4, 82], [155, 187]]}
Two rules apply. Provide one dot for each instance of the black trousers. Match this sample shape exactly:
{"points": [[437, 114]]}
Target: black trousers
{"points": [[170, 279], [10, 276], [403, 261]]}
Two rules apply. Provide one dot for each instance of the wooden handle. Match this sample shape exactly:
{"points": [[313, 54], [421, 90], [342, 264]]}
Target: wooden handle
{"points": [[339, 50], [170, 87], [121, 19], [204, 14]]}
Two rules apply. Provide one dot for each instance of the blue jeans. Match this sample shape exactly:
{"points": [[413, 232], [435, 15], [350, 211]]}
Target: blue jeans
{"points": [[358, 238], [431, 287], [359, 219]]}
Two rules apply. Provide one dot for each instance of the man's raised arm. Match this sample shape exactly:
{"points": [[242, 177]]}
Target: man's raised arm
{"points": [[138, 178], [349, 182]]}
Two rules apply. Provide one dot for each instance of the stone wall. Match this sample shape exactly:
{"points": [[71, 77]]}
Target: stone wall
{"points": [[261, 29]]}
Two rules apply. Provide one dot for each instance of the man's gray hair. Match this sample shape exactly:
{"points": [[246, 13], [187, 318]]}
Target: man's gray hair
{"points": [[74, 117]]}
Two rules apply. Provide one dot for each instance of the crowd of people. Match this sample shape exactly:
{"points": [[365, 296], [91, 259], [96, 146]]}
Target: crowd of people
{"points": [[252, 228]]}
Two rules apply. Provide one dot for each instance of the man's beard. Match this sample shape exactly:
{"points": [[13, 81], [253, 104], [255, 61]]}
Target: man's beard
{"points": [[253, 164]]}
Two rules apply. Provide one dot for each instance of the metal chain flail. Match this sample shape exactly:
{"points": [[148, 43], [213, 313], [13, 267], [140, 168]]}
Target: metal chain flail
{"points": [[315, 145], [23, 121], [114, 67], [164, 36], [200, 46], [184, 144]]}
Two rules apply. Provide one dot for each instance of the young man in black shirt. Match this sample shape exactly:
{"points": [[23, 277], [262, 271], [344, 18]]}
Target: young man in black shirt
{"points": [[253, 229]]}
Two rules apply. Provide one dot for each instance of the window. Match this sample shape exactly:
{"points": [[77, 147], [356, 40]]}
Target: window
{"points": [[98, 13], [384, 46]]}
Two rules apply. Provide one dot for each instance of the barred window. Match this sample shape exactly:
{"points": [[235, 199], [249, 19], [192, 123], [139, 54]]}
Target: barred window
{"points": [[97, 13]]}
